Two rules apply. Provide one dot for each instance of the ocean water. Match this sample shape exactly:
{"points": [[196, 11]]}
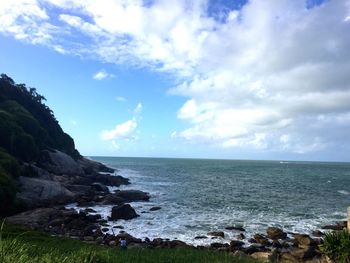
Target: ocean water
{"points": [[197, 196]]}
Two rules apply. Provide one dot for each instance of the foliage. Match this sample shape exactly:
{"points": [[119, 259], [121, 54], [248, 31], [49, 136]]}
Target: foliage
{"points": [[336, 245], [27, 123], [21, 246]]}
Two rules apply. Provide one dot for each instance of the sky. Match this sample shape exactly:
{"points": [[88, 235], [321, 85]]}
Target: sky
{"points": [[267, 80]]}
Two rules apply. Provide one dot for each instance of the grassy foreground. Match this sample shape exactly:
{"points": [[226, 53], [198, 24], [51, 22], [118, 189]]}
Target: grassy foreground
{"points": [[20, 245]]}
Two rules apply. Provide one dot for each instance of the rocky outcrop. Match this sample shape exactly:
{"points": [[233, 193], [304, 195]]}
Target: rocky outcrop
{"points": [[275, 233], [36, 192], [124, 211], [59, 163], [216, 234]]}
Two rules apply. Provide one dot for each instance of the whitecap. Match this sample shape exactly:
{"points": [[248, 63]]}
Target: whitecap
{"points": [[343, 192]]}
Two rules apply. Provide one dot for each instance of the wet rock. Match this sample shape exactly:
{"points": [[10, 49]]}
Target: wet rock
{"points": [[200, 237], [132, 195], [105, 229], [216, 234], [275, 233], [240, 236], [238, 228], [124, 211], [119, 227], [112, 199], [333, 227], [253, 248], [261, 240], [155, 208], [99, 240], [178, 243], [235, 244]]}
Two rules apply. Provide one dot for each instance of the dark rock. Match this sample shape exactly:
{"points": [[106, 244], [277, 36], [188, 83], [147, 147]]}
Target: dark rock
{"points": [[129, 238], [90, 166], [200, 237], [238, 228], [112, 199], [124, 211], [177, 243], [105, 229], [318, 233], [132, 195], [219, 245], [119, 227], [155, 208], [265, 256], [99, 187], [88, 238], [333, 227], [36, 218], [93, 218], [275, 233], [253, 248], [235, 244], [216, 234]]}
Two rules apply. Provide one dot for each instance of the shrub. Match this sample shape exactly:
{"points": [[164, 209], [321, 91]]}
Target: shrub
{"points": [[336, 245]]}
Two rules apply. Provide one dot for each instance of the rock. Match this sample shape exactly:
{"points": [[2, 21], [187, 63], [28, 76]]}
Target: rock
{"points": [[304, 240], [59, 163], [99, 187], [333, 227], [275, 233], [90, 166], [318, 233], [34, 219], [216, 234], [261, 240], [286, 257], [132, 195], [253, 248], [238, 228], [235, 244], [112, 243], [178, 243], [36, 192], [155, 208], [219, 245], [264, 256], [112, 199], [129, 238], [119, 227], [124, 211], [240, 236], [240, 254], [303, 253], [200, 237], [99, 240], [105, 229], [89, 238]]}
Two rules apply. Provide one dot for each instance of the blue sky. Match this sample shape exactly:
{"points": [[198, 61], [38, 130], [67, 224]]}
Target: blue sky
{"points": [[221, 79]]}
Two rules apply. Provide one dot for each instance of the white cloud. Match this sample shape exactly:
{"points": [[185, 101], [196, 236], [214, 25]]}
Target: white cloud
{"points": [[138, 108], [124, 130], [121, 99], [260, 77], [102, 74]]}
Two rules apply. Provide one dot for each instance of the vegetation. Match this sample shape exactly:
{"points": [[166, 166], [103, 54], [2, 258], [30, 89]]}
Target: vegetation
{"points": [[27, 126], [336, 245], [19, 245]]}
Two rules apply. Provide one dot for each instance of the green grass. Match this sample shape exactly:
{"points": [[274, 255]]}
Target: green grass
{"points": [[336, 245], [20, 245]]}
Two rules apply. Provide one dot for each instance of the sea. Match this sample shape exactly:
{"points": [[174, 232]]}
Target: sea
{"points": [[198, 196]]}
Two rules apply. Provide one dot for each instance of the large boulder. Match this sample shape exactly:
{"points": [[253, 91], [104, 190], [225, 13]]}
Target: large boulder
{"points": [[275, 233], [132, 195], [90, 166], [59, 163], [34, 218], [124, 211], [36, 192]]}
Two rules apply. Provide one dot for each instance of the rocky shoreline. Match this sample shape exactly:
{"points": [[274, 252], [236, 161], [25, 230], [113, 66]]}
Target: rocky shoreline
{"points": [[57, 179]]}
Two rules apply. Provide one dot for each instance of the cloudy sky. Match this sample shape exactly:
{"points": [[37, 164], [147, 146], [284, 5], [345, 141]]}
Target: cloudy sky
{"points": [[201, 79]]}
